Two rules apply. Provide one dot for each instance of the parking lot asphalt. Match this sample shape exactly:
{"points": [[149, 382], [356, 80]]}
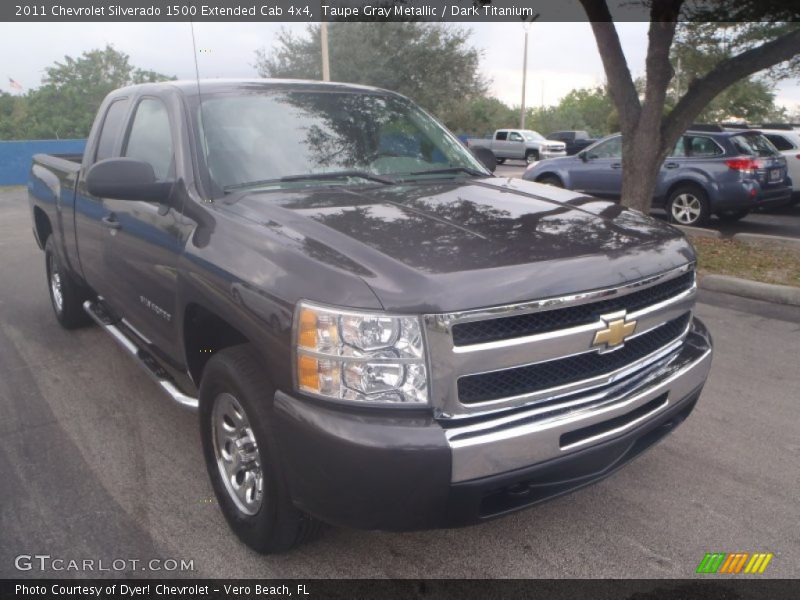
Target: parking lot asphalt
{"points": [[783, 221], [96, 464]]}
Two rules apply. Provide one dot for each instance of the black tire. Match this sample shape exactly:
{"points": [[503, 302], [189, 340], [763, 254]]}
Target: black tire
{"points": [[276, 525], [551, 180], [731, 216], [688, 205], [66, 294], [500, 161], [531, 156]]}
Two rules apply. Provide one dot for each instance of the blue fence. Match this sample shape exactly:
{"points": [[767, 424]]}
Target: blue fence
{"points": [[15, 156]]}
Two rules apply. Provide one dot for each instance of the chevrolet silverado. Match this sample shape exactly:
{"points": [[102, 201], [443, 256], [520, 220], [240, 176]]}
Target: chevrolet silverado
{"points": [[376, 331]]}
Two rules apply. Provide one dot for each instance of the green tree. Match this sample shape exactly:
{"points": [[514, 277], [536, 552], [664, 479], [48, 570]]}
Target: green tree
{"points": [[6, 111], [585, 108], [762, 34], [582, 108], [698, 47], [480, 116], [432, 64], [65, 104]]}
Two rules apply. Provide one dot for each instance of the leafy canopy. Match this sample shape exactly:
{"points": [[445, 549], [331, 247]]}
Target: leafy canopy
{"points": [[432, 64], [65, 104]]}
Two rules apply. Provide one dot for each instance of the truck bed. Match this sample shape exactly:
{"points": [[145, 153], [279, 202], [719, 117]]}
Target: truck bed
{"points": [[52, 182], [59, 162]]}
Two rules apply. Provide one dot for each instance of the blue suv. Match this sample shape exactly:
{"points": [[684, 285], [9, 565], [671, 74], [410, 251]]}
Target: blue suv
{"points": [[725, 172]]}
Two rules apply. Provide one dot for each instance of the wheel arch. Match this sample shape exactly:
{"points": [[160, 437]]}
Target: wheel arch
{"points": [[686, 181], [41, 226], [204, 334], [554, 174]]}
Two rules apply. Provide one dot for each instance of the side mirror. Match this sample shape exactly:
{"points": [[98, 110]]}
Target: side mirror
{"points": [[486, 156], [126, 179], [583, 155]]}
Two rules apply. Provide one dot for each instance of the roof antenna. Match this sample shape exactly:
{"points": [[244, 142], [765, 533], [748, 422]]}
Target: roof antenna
{"points": [[200, 113]]}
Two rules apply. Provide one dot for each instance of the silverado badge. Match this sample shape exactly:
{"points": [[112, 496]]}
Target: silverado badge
{"points": [[617, 329]]}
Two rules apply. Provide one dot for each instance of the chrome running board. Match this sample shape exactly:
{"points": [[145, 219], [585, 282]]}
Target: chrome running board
{"points": [[142, 357]]}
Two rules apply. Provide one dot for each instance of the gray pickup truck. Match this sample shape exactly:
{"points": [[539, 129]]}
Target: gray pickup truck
{"points": [[520, 144], [377, 332]]}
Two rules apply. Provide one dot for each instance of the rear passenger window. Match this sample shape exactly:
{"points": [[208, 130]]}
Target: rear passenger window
{"points": [[780, 142], [680, 148], [150, 139], [703, 147], [501, 135], [112, 126]]}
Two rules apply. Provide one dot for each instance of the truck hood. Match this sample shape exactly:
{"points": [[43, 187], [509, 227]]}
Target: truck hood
{"points": [[448, 245]]}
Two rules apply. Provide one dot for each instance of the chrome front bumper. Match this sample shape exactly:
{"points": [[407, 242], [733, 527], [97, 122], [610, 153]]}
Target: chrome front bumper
{"points": [[527, 437], [551, 154]]}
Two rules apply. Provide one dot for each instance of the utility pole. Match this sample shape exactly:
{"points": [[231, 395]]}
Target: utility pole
{"points": [[326, 67], [524, 78]]}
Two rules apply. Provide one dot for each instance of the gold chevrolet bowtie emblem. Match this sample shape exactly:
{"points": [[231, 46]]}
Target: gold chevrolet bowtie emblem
{"points": [[616, 331]]}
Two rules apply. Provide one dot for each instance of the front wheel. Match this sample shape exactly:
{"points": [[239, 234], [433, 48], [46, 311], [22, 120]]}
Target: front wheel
{"points": [[731, 216], [688, 205], [531, 156], [240, 455], [551, 180], [66, 294]]}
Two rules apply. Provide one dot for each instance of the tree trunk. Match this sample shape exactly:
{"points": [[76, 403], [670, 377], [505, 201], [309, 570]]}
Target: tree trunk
{"points": [[641, 160], [647, 135]]}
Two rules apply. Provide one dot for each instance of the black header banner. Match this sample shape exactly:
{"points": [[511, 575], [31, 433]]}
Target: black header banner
{"points": [[466, 11], [300, 10], [403, 589]]}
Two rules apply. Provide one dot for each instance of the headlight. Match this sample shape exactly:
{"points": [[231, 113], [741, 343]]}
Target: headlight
{"points": [[360, 357]]}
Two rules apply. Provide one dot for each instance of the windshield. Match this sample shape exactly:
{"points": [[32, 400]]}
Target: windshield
{"points": [[753, 144], [532, 135], [279, 137]]}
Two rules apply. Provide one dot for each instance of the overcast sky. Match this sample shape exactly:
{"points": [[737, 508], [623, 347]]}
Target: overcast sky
{"points": [[562, 56]]}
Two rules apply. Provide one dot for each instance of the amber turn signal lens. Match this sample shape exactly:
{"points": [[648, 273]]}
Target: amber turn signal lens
{"points": [[308, 373], [307, 329]]}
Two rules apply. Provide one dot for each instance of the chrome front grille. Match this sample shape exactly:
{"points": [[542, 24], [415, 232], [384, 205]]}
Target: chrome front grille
{"points": [[490, 360], [505, 328], [520, 381]]}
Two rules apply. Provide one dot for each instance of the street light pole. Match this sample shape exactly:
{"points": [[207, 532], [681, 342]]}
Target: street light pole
{"points": [[524, 78], [326, 67]]}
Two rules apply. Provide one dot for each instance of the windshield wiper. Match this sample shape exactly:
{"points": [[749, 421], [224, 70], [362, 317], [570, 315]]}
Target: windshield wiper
{"points": [[467, 170], [314, 177]]}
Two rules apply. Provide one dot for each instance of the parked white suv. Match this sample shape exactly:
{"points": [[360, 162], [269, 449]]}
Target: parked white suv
{"points": [[786, 139]]}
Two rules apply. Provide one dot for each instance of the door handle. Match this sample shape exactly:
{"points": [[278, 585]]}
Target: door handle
{"points": [[671, 165], [111, 221], [616, 165]]}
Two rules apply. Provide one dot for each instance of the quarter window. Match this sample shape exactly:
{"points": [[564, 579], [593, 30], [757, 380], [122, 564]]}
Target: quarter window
{"points": [[780, 142], [752, 144], [150, 139]]}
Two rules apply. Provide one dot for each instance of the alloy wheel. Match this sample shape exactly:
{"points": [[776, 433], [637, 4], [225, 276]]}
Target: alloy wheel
{"points": [[55, 285], [686, 208], [237, 454]]}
